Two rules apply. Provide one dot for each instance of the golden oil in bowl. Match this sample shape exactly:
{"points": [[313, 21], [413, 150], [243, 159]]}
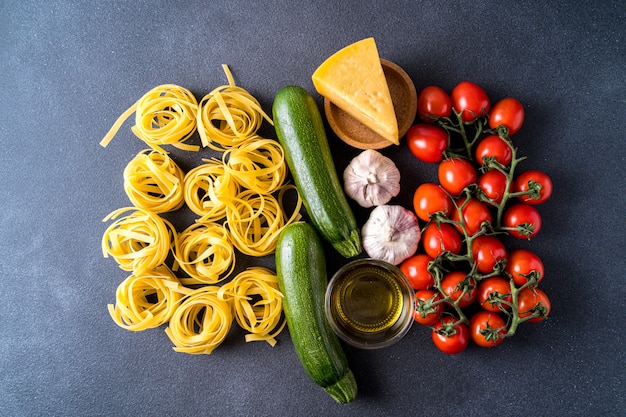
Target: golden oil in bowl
{"points": [[369, 303]]}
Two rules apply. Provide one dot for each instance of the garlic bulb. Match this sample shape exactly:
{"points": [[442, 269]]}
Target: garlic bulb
{"points": [[371, 179], [391, 234]]}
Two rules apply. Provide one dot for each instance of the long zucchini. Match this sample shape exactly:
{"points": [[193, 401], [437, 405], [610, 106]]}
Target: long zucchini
{"points": [[300, 130], [301, 271]]}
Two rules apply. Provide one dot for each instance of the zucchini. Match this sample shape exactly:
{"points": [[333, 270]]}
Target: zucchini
{"points": [[301, 271], [300, 130]]}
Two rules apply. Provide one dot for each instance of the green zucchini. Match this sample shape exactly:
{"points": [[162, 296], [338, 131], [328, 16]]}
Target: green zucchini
{"points": [[300, 130], [301, 271]]}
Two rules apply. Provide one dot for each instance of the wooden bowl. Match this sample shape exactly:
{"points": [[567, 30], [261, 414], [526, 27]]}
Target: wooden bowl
{"points": [[404, 98]]}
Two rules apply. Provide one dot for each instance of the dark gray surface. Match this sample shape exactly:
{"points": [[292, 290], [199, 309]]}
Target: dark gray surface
{"points": [[69, 69]]}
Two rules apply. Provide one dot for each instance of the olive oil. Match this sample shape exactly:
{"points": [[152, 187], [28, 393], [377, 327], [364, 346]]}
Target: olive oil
{"points": [[369, 303]]}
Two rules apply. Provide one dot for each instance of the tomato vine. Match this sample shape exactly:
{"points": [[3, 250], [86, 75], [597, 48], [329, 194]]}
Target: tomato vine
{"points": [[484, 199]]}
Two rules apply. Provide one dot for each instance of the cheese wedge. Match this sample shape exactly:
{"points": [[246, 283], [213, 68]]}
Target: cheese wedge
{"points": [[353, 80]]}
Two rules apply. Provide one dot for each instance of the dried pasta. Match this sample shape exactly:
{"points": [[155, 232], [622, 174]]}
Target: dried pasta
{"points": [[206, 188], [205, 252], [139, 240], [228, 115], [257, 303], [240, 201], [145, 301], [165, 115], [201, 322], [255, 220], [257, 164], [153, 181]]}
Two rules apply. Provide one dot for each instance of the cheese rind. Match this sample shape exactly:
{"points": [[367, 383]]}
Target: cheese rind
{"points": [[353, 79]]}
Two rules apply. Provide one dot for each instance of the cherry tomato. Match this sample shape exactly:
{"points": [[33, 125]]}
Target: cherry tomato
{"points": [[523, 219], [425, 312], [495, 147], [416, 270], [429, 199], [489, 253], [474, 212], [457, 286], [508, 112], [487, 329], [470, 100], [450, 341], [521, 264], [493, 184], [455, 174], [427, 142], [433, 102], [492, 289], [439, 238], [531, 300], [536, 181]]}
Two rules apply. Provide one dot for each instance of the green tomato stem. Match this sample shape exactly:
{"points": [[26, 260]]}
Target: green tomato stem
{"points": [[510, 174]]}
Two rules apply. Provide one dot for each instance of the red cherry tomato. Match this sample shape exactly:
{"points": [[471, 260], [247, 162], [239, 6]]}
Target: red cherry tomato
{"points": [[455, 174], [439, 238], [495, 147], [416, 270], [432, 103], [508, 112], [493, 184], [489, 253], [537, 181], [427, 142], [429, 199], [470, 100], [475, 213], [533, 301], [425, 312], [458, 287], [521, 264], [523, 220], [450, 341], [487, 329], [492, 289]]}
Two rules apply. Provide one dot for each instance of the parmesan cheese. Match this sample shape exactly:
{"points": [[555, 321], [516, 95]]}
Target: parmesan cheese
{"points": [[353, 79]]}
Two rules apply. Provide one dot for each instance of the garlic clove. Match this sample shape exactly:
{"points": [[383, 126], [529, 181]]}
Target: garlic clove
{"points": [[391, 234], [371, 179]]}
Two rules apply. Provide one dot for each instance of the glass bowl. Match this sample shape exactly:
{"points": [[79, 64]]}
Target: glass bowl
{"points": [[369, 303]]}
